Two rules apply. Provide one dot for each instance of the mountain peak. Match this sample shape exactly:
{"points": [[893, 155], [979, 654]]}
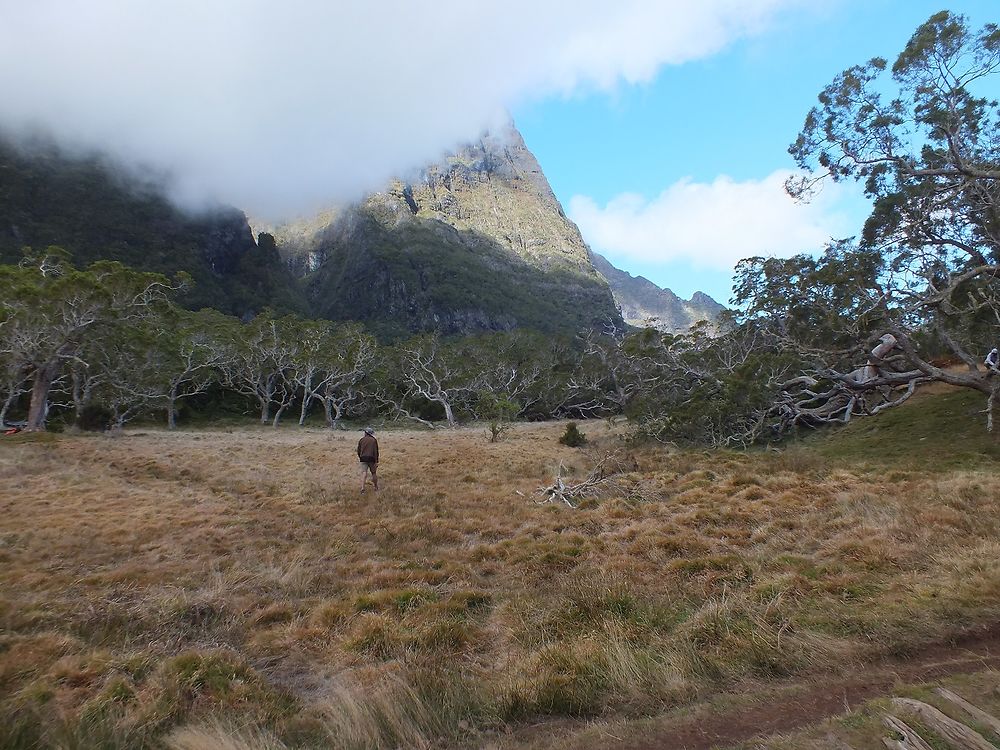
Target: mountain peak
{"points": [[477, 241], [646, 305], [700, 299]]}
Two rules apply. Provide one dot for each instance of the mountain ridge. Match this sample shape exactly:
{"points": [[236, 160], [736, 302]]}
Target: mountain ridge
{"points": [[476, 242], [95, 210], [646, 305]]}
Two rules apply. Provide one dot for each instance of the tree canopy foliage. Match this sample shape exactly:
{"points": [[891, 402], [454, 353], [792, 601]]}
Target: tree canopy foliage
{"points": [[919, 289], [108, 337], [50, 311]]}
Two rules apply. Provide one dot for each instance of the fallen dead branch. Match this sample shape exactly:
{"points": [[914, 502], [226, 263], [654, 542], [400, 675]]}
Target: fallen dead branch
{"points": [[601, 477], [986, 719], [954, 732], [910, 740]]}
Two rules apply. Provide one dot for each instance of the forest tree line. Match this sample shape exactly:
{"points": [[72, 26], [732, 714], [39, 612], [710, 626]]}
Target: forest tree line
{"points": [[110, 338]]}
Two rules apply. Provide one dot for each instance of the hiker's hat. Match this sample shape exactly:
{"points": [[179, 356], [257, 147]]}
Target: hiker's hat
{"points": [[369, 431]]}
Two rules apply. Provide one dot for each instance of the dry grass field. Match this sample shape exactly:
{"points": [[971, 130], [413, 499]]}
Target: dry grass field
{"points": [[233, 589]]}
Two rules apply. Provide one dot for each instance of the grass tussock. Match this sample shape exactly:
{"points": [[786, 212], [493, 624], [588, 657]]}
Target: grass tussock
{"points": [[234, 589], [217, 736]]}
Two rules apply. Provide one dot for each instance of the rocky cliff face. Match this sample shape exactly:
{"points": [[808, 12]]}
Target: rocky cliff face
{"points": [[645, 305], [496, 188], [478, 242]]}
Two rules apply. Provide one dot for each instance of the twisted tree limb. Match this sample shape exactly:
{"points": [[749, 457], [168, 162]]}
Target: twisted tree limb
{"points": [[600, 477]]}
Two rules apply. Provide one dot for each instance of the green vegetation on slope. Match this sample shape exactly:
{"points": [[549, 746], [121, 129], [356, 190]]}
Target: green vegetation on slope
{"points": [[85, 206], [424, 275], [932, 431]]}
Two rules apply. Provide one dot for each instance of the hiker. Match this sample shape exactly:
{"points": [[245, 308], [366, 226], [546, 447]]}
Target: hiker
{"points": [[992, 359], [368, 455]]}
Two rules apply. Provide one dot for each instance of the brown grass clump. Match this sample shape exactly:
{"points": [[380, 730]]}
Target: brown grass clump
{"points": [[234, 589], [217, 736]]}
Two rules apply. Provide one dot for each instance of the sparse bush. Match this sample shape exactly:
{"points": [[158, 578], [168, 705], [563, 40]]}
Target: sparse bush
{"points": [[799, 460], [375, 636], [559, 680], [216, 736], [416, 709], [497, 430], [499, 413], [274, 614], [573, 437], [221, 680]]}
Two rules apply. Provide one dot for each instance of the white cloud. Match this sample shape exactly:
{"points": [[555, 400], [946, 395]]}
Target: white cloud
{"points": [[714, 225], [277, 106]]}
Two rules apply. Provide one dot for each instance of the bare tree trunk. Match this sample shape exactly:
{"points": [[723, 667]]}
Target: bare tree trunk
{"points": [[307, 395], [989, 407], [39, 405], [172, 409], [304, 411], [265, 409], [338, 412], [12, 395], [448, 413], [79, 395], [277, 415], [954, 732], [911, 740], [333, 410], [988, 720]]}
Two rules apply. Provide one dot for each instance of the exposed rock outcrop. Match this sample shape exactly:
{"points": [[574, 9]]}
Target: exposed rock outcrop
{"points": [[645, 305], [477, 242]]}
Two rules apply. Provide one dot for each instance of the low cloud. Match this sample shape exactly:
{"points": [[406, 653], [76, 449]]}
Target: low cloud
{"points": [[714, 225], [281, 107]]}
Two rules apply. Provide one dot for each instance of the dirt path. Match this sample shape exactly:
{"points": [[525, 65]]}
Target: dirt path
{"points": [[794, 706]]}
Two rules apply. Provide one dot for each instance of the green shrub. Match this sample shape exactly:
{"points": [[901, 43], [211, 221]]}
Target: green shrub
{"points": [[573, 437]]}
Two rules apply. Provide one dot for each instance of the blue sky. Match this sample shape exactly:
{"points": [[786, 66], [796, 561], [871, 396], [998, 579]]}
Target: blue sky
{"points": [[732, 114]]}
